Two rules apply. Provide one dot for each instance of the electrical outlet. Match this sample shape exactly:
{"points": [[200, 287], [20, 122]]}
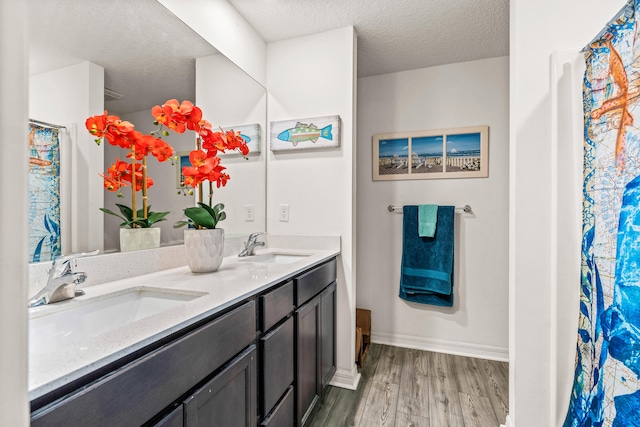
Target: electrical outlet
{"points": [[284, 213], [248, 213]]}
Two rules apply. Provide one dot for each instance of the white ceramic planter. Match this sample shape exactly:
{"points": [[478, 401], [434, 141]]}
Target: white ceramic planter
{"points": [[204, 249], [133, 239]]}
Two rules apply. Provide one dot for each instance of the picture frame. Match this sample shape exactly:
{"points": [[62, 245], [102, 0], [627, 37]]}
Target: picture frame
{"points": [[182, 159], [251, 134], [431, 154], [304, 134]]}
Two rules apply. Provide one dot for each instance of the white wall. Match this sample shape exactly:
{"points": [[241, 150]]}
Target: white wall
{"points": [[14, 409], [318, 185], [229, 97], [222, 26], [449, 96], [538, 29], [68, 96]]}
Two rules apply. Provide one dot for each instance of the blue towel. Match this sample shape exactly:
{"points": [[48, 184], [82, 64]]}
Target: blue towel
{"points": [[427, 220], [426, 274]]}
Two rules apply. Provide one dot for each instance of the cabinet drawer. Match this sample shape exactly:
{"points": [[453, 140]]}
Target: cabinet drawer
{"points": [[277, 364], [276, 305], [229, 398], [174, 419], [133, 394], [282, 415], [314, 281]]}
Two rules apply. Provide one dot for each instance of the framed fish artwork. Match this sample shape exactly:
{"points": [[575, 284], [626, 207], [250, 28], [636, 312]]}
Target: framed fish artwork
{"points": [[305, 134], [251, 135]]}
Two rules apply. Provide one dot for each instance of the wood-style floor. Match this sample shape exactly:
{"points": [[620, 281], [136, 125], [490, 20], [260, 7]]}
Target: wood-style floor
{"points": [[404, 387]]}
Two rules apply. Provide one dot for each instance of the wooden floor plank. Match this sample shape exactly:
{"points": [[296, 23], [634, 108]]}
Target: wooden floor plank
{"points": [[406, 420], [380, 409], [477, 411], [342, 407], [389, 368], [444, 401], [367, 372], [432, 391], [496, 378], [413, 397], [468, 376]]}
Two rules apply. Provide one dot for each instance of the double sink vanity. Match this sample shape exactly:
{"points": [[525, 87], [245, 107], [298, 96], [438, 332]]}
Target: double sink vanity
{"points": [[251, 344]]}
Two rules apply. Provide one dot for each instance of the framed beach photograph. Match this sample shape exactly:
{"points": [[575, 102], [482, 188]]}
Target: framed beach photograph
{"points": [[182, 159], [431, 154]]}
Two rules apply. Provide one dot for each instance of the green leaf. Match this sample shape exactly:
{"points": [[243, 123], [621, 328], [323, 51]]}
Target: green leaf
{"points": [[179, 224], [154, 217], [207, 208], [126, 211], [218, 208], [200, 217], [222, 216], [112, 213]]}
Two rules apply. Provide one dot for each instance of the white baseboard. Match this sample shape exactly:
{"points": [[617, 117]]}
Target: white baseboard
{"points": [[348, 379], [508, 422], [442, 346]]}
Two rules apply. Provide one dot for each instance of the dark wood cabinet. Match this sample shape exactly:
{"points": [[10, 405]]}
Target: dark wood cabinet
{"points": [[264, 361], [228, 399], [283, 414], [278, 359], [328, 334], [174, 419], [307, 386], [316, 350], [136, 392]]}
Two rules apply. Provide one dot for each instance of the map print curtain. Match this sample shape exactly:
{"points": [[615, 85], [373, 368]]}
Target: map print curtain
{"points": [[606, 388], [44, 193]]}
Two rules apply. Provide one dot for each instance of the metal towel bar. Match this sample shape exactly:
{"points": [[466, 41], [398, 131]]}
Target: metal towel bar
{"points": [[465, 208]]}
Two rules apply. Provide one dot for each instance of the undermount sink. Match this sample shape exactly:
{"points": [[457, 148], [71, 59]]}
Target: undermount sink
{"points": [[276, 258], [93, 317]]}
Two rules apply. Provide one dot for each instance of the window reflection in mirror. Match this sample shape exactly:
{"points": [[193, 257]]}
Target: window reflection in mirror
{"points": [[141, 51]]}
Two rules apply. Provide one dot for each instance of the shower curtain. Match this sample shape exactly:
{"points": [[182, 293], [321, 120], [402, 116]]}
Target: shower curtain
{"points": [[44, 193], [606, 388]]}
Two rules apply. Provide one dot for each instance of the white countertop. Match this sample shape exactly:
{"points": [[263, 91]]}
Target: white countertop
{"points": [[236, 280]]}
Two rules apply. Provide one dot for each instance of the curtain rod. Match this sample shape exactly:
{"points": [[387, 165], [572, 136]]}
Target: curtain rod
{"points": [[627, 10], [45, 124], [465, 208]]}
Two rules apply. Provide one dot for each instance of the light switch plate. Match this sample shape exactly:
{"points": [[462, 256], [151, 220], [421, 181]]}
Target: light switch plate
{"points": [[248, 213], [284, 213]]}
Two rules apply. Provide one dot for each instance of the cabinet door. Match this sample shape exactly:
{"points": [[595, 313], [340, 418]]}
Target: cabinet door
{"points": [[277, 364], [307, 385], [327, 334], [229, 399]]}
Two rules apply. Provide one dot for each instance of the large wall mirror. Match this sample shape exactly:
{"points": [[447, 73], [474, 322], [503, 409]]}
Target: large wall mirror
{"points": [[142, 55]]}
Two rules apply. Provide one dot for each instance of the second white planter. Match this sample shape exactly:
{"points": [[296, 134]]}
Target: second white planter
{"points": [[204, 248], [134, 239]]}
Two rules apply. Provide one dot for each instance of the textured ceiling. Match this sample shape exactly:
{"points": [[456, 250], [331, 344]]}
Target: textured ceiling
{"points": [[393, 35], [147, 53]]}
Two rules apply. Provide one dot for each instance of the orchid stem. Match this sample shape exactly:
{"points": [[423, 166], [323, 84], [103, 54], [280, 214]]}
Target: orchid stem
{"points": [[144, 187], [200, 192], [133, 187]]}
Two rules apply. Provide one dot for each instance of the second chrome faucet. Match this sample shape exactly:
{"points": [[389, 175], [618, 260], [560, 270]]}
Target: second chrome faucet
{"points": [[250, 245]]}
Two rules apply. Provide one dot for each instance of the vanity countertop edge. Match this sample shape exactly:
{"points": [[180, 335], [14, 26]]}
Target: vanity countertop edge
{"points": [[237, 280]]}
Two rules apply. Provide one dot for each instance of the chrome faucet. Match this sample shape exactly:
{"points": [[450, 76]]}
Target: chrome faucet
{"points": [[62, 280], [251, 245]]}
